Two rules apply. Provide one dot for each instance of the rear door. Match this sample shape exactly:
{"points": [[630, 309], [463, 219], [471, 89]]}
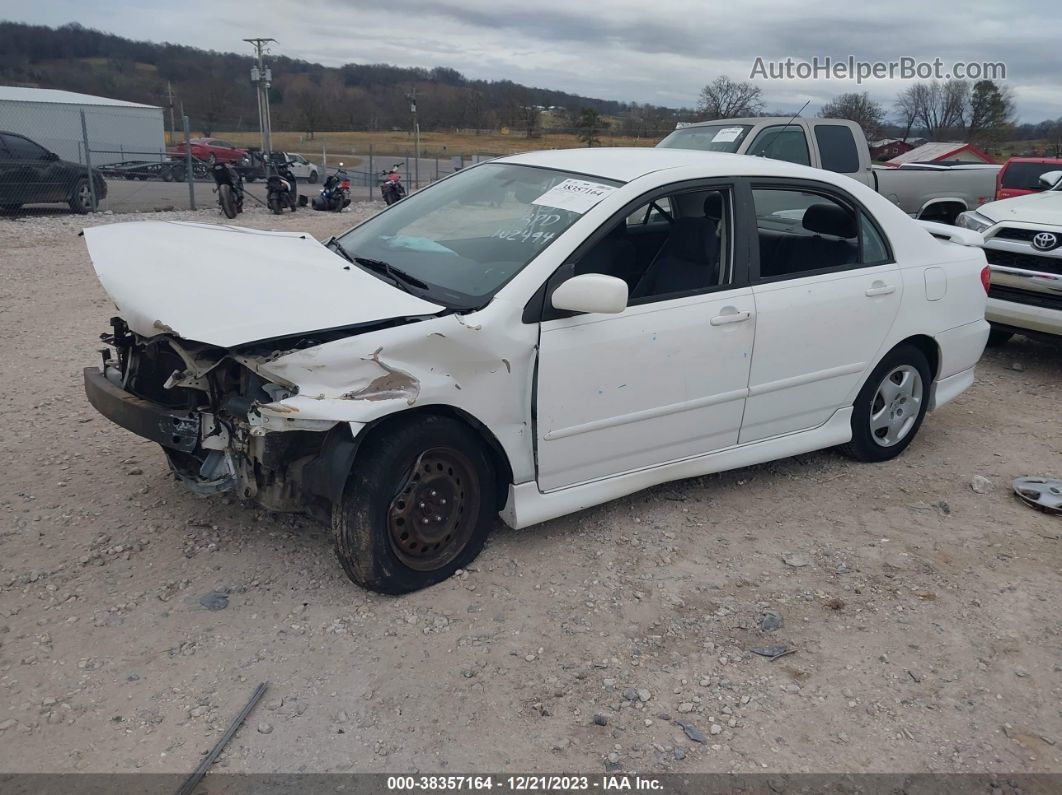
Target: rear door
{"points": [[843, 149], [10, 184], [827, 291]]}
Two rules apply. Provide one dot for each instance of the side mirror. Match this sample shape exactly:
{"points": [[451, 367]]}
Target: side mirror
{"points": [[1051, 179], [591, 292], [52, 156]]}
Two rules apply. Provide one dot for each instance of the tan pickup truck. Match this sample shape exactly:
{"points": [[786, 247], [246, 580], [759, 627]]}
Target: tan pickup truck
{"points": [[930, 192]]}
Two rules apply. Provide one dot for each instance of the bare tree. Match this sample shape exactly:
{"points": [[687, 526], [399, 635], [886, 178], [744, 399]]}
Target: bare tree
{"points": [[938, 107], [312, 110], [859, 108], [532, 115], [724, 98], [907, 104]]}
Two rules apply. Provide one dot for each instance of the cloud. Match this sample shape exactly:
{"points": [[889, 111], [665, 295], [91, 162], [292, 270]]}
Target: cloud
{"points": [[660, 52]]}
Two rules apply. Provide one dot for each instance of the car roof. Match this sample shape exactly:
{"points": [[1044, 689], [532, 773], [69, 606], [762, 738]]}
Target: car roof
{"points": [[625, 164], [1051, 160]]}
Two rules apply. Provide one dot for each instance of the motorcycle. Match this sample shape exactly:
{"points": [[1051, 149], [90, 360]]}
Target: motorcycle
{"points": [[391, 187], [335, 194], [228, 184], [281, 188]]}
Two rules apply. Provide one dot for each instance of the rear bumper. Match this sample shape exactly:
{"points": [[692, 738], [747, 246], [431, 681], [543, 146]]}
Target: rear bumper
{"points": [[947, 389], [172, 428]]}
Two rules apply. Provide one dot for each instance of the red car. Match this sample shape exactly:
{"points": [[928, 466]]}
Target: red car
{"points": [[212, 150], [1021, 175]]}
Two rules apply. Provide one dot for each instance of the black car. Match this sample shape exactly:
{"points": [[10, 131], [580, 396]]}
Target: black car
{"points": [[30, 174]]}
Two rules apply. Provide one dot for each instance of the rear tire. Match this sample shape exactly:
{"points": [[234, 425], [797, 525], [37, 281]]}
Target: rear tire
{"points": [[417, 507], [313, 178], [274, 205], [891, 405], [997, 337]]}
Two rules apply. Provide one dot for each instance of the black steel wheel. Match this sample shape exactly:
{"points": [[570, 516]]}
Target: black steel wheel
{"points": [[428, 522], [418, 505]]}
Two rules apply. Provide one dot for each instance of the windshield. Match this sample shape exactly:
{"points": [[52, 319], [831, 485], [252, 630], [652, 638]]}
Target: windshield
{"points": [[465, 237], [720, 137]]}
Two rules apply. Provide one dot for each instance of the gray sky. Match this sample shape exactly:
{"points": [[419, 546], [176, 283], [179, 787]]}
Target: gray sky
{"points": [[660, 51]]}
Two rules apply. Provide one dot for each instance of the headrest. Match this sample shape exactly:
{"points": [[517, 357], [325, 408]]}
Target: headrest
{"points": [[694, 239], [713, 206], [827, 218]]}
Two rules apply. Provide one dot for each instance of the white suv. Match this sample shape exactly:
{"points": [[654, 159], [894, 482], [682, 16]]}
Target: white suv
{"points": [[1023, 245]]}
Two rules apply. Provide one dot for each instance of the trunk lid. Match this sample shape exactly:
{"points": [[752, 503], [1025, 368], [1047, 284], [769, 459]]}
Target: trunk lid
{"points": [[228, 286]]}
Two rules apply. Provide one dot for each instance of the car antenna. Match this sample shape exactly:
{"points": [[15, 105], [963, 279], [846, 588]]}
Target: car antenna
{"points": [[778, 134]]}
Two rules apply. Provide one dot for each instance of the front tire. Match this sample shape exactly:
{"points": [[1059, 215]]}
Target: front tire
{"points": [[891, 405], [81, 197], [227, 201], [417, 507]]}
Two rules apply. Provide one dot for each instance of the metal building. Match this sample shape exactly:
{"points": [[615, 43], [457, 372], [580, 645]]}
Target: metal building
{"points": [[117, 130]]}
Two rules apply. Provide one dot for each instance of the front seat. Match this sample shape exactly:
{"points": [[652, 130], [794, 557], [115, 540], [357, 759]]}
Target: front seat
{"points": [[613, 255], [689, 259]]}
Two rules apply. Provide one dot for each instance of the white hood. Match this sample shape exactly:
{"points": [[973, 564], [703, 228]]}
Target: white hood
{"points": [[1033, 208], [226, 285]]}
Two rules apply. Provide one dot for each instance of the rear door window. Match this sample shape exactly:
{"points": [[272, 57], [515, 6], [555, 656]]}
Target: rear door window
{"points": [[837, 148], [1026, 176]]}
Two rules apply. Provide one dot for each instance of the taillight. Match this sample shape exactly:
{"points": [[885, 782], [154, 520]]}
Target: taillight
{"points": [[345, 184], [986, 278]]}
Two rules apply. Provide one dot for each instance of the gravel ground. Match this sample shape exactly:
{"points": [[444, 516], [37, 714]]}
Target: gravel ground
{"points": [[924, 615]]}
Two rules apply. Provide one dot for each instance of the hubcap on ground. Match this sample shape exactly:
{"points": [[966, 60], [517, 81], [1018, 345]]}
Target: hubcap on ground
{"points": [[434, 513], [896, 405]]}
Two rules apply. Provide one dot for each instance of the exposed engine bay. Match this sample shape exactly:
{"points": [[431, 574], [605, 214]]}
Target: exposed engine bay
{"points": [[211, 428]]}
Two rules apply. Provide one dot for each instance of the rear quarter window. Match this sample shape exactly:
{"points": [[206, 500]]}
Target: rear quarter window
{"points": [[1026, 176], [837, 148]]}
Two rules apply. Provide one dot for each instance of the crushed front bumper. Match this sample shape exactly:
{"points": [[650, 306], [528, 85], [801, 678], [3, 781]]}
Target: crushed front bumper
{"points": [[175, 429]]}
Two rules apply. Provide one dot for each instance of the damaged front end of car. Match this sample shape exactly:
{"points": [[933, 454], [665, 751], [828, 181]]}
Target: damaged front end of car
{"points": [[203, 405]]}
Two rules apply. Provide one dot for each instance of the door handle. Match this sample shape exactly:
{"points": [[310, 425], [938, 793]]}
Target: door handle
{"points": [[732, 316], [880, 288]]}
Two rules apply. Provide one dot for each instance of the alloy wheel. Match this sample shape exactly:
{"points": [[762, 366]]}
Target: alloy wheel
{"points": [[896, 404]]}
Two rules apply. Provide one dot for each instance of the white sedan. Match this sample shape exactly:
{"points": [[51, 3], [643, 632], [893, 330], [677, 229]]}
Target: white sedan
{"points": [[533, 336]]}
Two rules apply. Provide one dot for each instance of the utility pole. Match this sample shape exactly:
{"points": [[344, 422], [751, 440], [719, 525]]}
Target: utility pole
{"points": [[412, 97], [173, 126], [262, 76]]}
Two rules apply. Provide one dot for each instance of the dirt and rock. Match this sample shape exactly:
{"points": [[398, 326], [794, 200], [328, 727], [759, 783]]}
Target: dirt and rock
{"points": [[811, 614]]}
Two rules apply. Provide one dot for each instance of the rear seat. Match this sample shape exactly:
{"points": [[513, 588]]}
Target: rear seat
{"points": [[782, 253]]}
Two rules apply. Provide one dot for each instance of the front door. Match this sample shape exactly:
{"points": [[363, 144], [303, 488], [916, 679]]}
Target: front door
{"points": [[664, 380]]}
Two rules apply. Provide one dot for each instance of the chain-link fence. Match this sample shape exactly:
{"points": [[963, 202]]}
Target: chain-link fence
{"points": [[61, 157]]}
